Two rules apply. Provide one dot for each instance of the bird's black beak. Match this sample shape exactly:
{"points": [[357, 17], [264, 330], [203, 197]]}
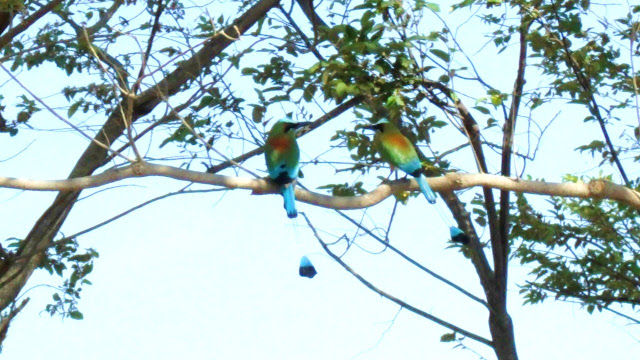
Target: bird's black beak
{"points": [[294, 126], [301, 124]]}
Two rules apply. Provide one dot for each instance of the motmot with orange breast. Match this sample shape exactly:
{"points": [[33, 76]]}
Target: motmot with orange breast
{"points": [[282, 156], [399, 152]]}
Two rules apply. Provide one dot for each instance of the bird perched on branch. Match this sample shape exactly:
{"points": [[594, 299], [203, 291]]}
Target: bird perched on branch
{"points": [[283, 159], [399, 152]]}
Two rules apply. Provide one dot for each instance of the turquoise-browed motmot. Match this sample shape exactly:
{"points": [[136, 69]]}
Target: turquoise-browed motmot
{"points": [[283, 160], [399, 152]]}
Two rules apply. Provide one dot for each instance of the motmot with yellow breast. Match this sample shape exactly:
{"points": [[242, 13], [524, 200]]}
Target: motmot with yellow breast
{"points": [[399, 152]]}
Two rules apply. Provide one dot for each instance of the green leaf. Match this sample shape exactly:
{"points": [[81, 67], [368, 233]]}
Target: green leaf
{"points": [[441, 54], [76, 315], [449, 337], [258, 113], [23, 116], [73, 108], [433, 7], [341, 89], [592, 147], [482, 109], [81, 258], [249, 71], [309, 91]]}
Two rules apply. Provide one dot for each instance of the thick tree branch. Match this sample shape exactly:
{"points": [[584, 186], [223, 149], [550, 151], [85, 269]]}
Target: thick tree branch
{"points": [[453, 181], [502, 261], [24, 25], [472, 131], [476, 249], [476, 253], [6, 320]]}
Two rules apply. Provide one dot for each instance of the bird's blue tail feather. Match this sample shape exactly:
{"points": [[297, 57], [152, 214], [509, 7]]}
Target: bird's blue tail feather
{"points": [[426, 189], [458, 235], [306, 268], [289, 201]]}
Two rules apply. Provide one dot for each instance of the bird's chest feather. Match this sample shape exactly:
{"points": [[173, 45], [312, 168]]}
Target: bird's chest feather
{"points": [[398, 151], [396, 142], [280, 144]]}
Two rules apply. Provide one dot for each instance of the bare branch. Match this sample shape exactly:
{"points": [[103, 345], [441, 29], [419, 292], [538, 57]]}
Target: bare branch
{"points": [[105, 17], [6, 320], [412, 261], [145, 56], [600, 189], [502, 258], [182, 191], [393, 298]]}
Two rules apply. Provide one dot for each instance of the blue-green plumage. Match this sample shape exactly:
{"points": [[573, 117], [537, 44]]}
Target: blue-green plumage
{"points": [[306, 268], [458, 236], [399, 152], [282, 156]]}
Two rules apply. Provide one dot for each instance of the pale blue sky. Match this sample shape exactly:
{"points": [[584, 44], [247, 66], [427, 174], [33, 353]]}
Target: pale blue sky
{"points": [[215, 276]]}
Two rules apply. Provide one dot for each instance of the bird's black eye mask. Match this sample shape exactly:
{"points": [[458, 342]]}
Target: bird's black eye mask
{"points": [[293, 126], [376, 127], [289, 126]]}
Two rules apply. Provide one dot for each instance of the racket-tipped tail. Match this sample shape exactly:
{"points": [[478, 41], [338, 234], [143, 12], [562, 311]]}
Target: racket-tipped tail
{"points": [[458, 235]]}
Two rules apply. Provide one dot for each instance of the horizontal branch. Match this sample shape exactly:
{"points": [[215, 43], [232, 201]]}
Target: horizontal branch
{"points": [[449, 182]]}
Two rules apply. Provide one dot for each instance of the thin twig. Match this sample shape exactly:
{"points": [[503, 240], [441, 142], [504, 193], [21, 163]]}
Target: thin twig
{"points": [[145, 56], [182, 191], [209, 146], [387, 244], [63, 119], [388, 296]]}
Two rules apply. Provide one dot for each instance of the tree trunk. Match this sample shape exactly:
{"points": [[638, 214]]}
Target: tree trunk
{"points": [[501, 327]]}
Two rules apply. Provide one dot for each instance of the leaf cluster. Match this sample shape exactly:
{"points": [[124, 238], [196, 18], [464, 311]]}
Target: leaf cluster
{"points": [[586, 250]]}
